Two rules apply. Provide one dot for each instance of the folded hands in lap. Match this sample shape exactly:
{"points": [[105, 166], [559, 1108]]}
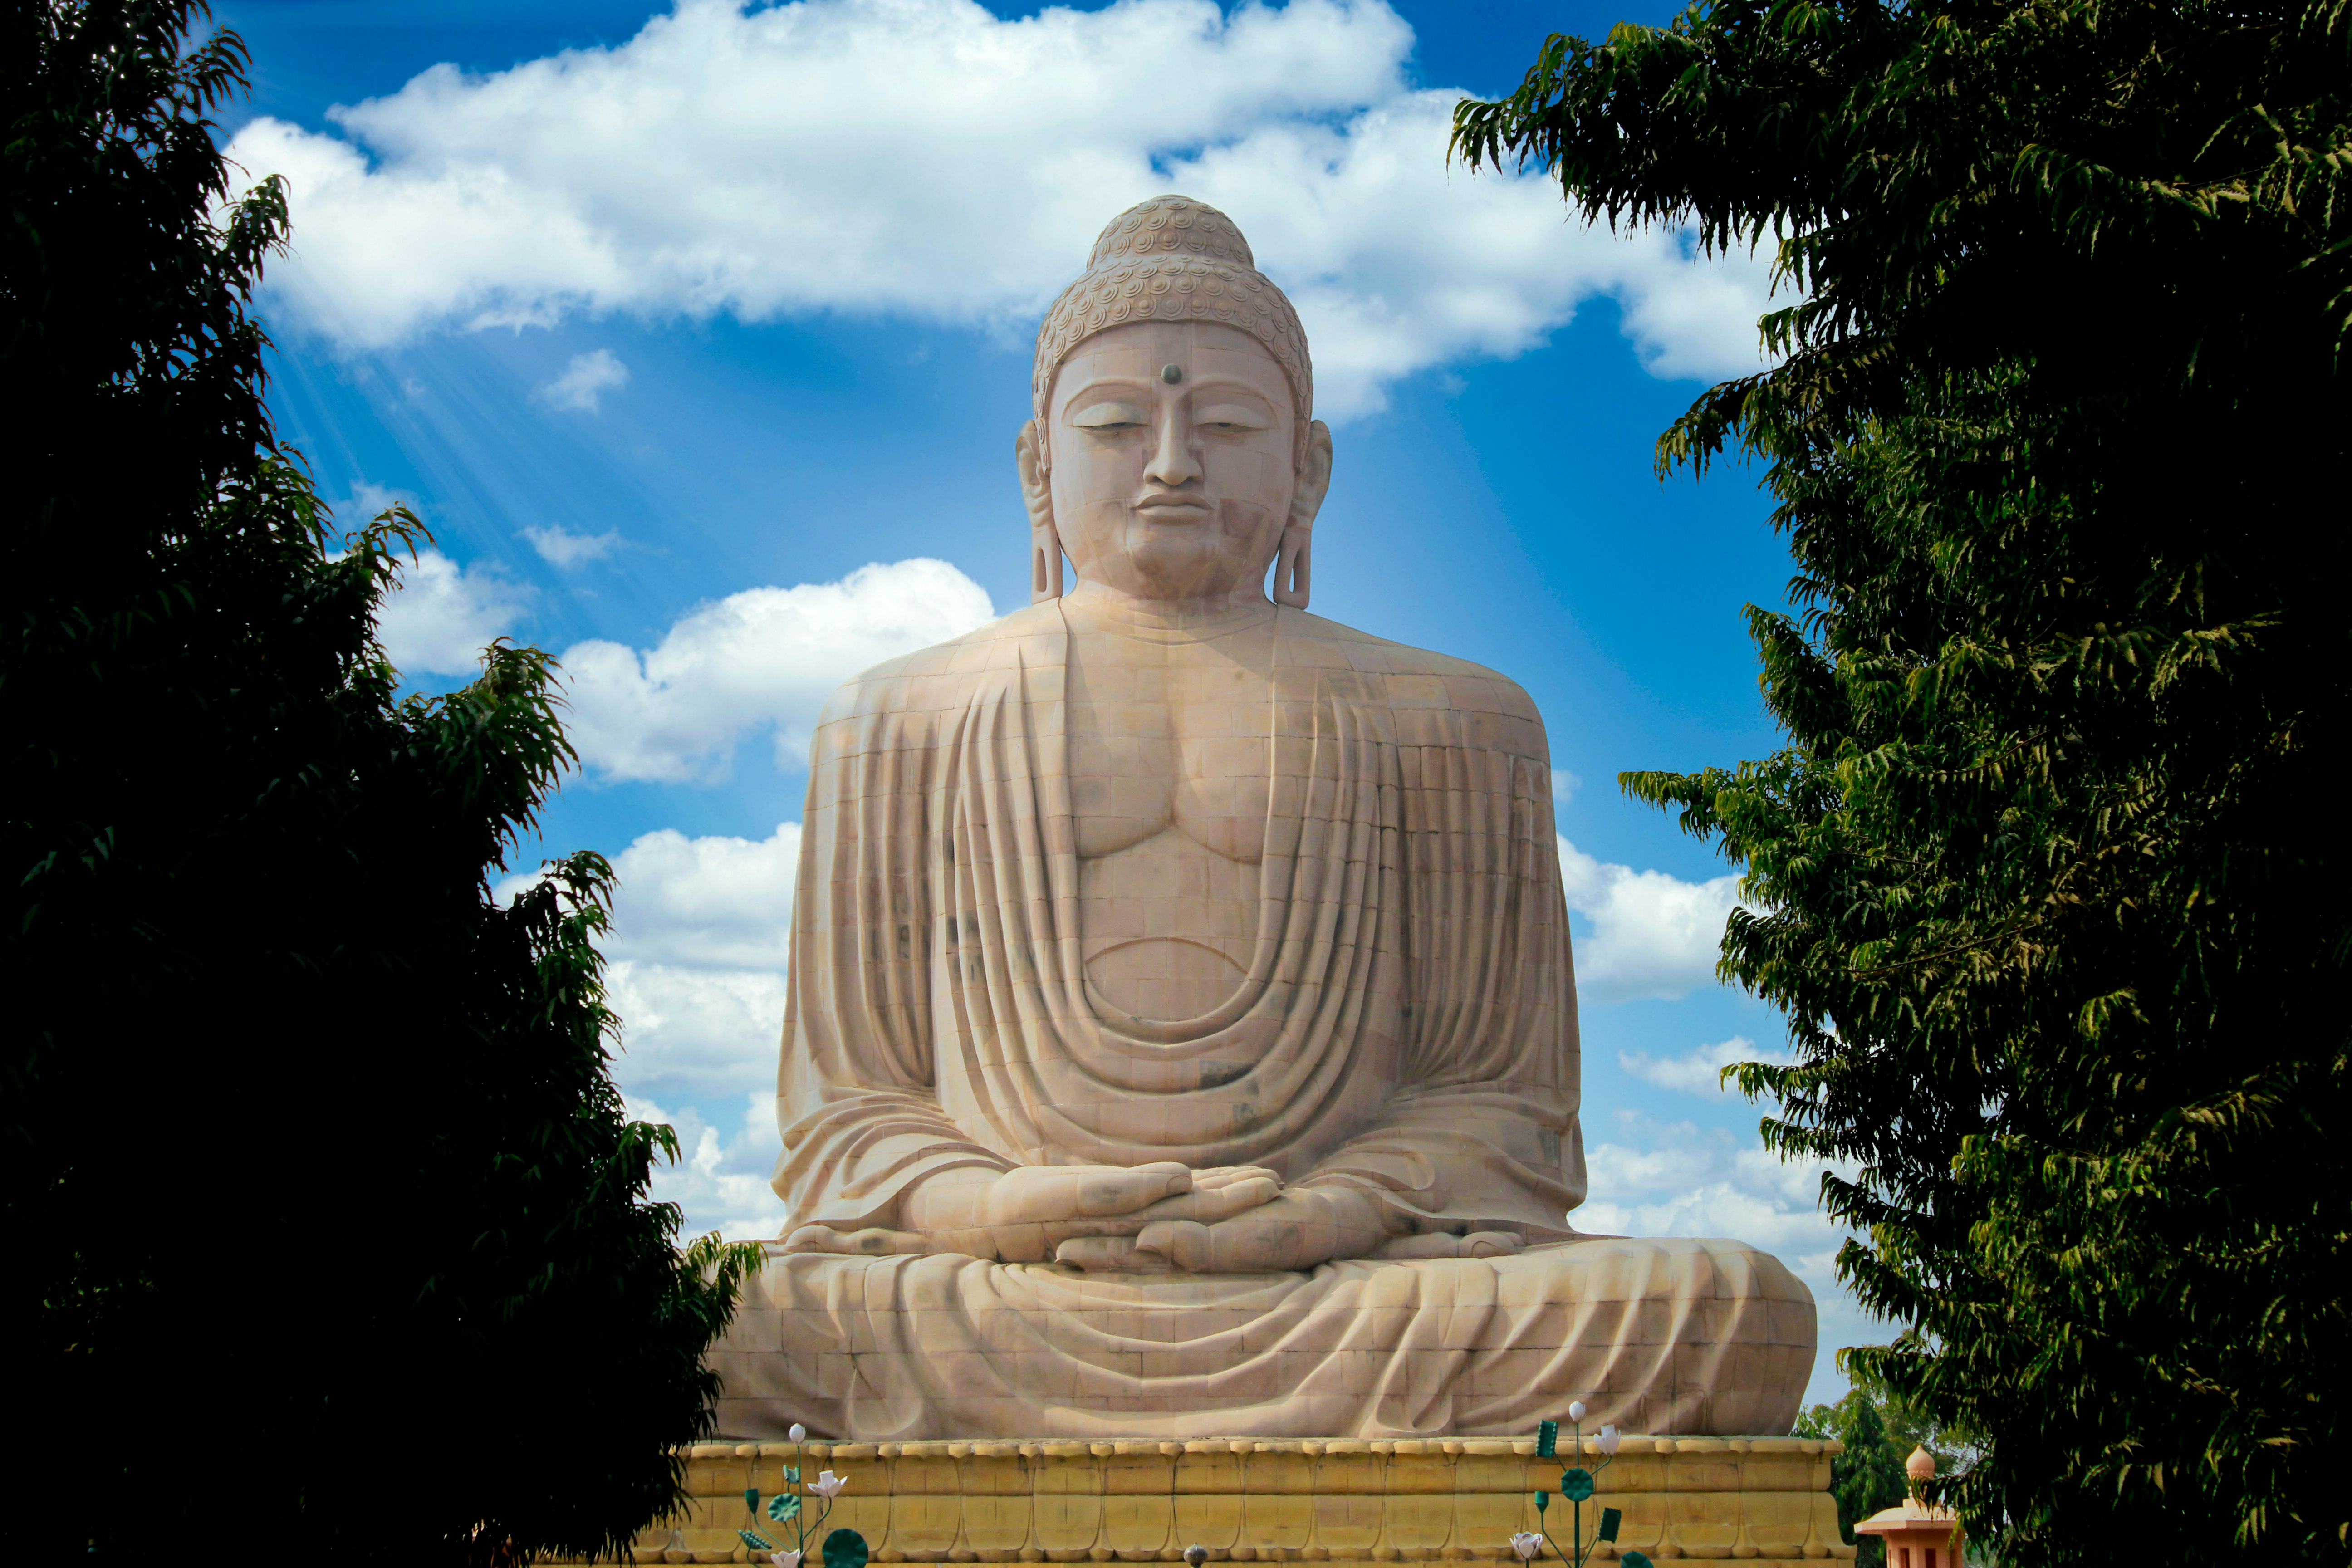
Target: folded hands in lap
{"points": [[1151, 1218]]}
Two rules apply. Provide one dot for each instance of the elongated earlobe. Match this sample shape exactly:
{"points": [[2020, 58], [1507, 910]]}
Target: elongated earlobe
{"points": [[1037, 497], [1293, 562], [1291, 566], [1044, 564]]}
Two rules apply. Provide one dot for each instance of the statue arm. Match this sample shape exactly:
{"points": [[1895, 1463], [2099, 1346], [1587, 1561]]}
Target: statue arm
{"points": [[1482, 1134], [856, 1096], [1455, 1160]]}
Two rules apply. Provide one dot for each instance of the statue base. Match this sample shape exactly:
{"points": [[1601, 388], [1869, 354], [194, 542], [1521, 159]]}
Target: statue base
{"points": [[1348, 1503]]}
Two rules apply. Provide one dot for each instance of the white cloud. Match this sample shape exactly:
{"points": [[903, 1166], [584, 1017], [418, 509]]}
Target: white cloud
{"points": [[698, 951], [1679, 1179], [569, 549], [1564, 786], [690, 1031], [1700, 1070], [1652, 935], [715, 902], [766, 656], [925, 158], [582, 386], [441, 616], [720, 1182], [697, 945]]}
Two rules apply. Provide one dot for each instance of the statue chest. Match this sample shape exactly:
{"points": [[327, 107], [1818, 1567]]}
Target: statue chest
{"points": [[1169, 779], [1170, 739]]}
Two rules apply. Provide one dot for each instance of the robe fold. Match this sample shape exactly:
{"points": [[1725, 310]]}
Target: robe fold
{"points": [[1405, 1024]]}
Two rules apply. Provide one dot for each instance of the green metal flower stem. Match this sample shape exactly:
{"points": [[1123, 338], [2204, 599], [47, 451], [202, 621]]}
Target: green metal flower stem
{"points": [[801, 1522], [1546, 1437]]}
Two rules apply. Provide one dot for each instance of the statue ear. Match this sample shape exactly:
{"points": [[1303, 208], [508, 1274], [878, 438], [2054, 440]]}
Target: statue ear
{"points": [[1293, 566], [1037, 496]]}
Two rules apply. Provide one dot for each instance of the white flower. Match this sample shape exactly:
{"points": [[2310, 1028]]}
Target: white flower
{"points": [[1576, 1410], [799, 1431], [786, 1559], [1609, 1439], [827, 1484], [1527, 1544]]}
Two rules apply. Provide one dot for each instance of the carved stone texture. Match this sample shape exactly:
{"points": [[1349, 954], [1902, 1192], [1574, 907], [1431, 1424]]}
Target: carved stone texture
{"points": [[1181, 1034]]}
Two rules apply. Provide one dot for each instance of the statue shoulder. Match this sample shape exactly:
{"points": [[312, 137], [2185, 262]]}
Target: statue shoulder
{"points": [[938, 676], [1418, 675]]}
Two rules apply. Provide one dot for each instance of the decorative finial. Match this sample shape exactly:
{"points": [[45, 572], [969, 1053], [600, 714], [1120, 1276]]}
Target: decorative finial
{"points": [[1919, 1467], [1196, 1554]]}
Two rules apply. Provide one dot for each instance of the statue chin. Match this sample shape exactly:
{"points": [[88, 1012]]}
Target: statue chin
{"points": [[1262, 897]]}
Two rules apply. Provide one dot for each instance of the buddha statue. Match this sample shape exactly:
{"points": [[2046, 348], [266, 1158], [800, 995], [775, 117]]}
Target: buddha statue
{"points": [[1182, 1036]]}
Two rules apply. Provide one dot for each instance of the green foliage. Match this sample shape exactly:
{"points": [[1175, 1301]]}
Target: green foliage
{"points": [[1869, 1475], [317, 1187], [2044, 879]]}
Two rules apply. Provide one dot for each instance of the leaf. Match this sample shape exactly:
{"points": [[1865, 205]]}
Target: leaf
{"points": [[844, 1548], [784, 1507]]}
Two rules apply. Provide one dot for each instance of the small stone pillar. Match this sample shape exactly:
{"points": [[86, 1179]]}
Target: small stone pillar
{"points": [[1916, 1535]]}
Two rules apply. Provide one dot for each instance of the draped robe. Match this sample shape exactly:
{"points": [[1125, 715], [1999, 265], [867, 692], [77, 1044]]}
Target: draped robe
{"points": [[1404, 1025]]}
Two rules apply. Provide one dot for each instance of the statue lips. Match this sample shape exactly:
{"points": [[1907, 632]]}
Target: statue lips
{"points": [[1169, 506]]}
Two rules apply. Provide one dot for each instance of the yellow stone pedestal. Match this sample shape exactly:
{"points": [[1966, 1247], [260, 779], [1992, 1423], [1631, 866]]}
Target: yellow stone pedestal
{"points": [[1348, 1503]]}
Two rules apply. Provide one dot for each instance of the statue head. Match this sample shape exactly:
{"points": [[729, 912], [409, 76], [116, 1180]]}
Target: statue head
{"points": [[1174, 453]]}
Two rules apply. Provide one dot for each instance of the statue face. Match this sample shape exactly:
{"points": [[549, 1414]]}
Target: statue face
{"points": [[1175, 488]]}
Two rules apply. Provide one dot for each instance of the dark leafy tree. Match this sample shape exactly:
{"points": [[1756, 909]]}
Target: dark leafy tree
{"points": [[2046, 879], [326, 1233]]}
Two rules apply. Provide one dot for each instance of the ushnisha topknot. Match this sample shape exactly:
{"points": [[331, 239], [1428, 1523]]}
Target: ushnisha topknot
{"points": [[1172, 258]]}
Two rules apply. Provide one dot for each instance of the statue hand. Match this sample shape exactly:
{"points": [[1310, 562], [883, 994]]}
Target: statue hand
{"points": [[1298, 1230], [1439, 1244], [1020, 1216], [1218, 1193]]}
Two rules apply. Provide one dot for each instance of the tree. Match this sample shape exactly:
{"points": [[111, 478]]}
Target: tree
{"points": [[1869, 1475], [326, 1226], [2045, 875]]}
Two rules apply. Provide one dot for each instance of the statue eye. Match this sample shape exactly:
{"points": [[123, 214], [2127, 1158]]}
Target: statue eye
{"points": [[1108, 417], [1232, 418]]}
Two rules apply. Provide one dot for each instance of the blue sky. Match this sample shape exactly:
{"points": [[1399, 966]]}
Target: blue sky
{"points": [[701, 347]]}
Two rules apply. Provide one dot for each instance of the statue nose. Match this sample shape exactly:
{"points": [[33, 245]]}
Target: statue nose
{"points": [[1173, 462]]}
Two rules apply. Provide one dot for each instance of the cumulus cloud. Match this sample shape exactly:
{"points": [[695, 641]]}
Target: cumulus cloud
{"points": [[766, 657], [583, 382], [1564, 786], [1700, 1070], [697, 952], [687, 1031], [1652, 935], [715, 902], [441, 616], [926, 158], [563, 550], [722, 1179]]}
